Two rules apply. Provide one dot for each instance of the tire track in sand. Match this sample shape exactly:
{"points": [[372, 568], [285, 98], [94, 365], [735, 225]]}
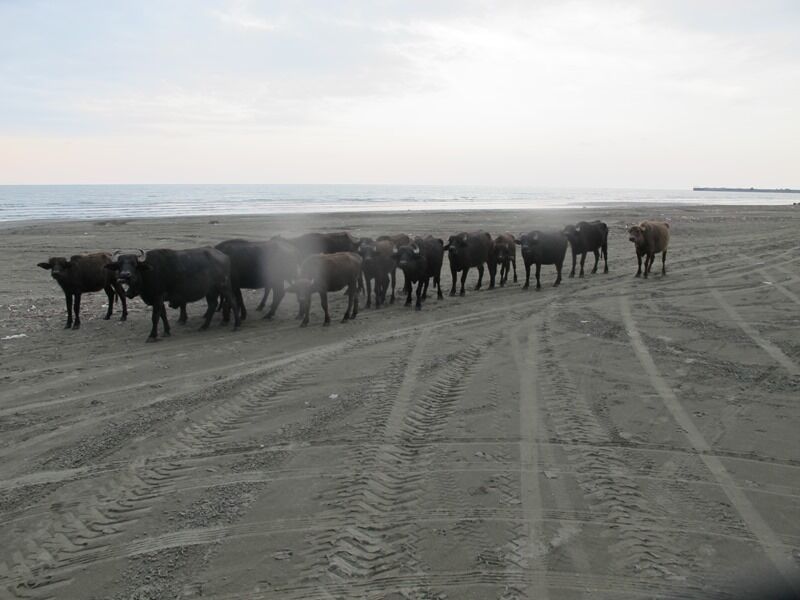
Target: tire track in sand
{"points": [[774, 548], [45, 559]]}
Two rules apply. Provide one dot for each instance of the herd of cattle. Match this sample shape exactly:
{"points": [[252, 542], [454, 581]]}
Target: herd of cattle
{"points": [[328, 262]]}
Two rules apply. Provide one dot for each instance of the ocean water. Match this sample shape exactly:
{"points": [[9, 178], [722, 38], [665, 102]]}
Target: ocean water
{"points": [[19, 202]]}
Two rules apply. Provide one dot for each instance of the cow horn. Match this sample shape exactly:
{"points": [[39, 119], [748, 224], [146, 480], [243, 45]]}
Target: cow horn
{"points": [[536, 235], [141, 252], [416, 249], [394, 249]]}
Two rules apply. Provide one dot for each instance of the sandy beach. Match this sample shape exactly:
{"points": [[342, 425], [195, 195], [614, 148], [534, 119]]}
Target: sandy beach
{"points": [[611, 438]]}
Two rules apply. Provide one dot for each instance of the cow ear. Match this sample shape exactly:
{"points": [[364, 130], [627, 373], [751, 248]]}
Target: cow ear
{"points": [[141, 266], [416, 249], [536, 236], [112, 266], [44, 265], [464, 237], [645, 226]]}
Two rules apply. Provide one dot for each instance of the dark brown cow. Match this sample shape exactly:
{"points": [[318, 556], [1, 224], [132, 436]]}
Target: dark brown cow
{"points": [[421, 261], [82, 274], [505, 252], [650, 238], [467, 250], [587, 237], [542, 248], [323, 273], [324, 243], [377, 265], [398, 240]]}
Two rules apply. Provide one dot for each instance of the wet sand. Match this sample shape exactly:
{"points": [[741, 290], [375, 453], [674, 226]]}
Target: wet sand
{"points": [[613, 437]]}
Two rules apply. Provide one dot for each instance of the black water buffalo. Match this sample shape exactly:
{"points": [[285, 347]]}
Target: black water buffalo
{"points": [[177, 277], [420, 261], [257, 265], [542, 248], [323, 273], [398, 239], [505, 253], [377, 265], [467, 250], [588, 237], [650, 237], [82, 274], [324, 243]]}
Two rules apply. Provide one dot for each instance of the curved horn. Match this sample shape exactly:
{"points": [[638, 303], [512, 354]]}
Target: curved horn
{"points": [[415, 249], [141, 252]]}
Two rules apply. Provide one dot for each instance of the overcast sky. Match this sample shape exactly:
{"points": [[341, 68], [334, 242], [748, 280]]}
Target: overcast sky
{"points": [[649, 93]]}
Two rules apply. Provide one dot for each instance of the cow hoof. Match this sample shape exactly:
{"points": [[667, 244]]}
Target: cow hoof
{"points": [[638, 275], [326, 324], [571, 275], [259, 308], [181, 322], [391, 300], [76, 326], [408, 303], [167, 333], [581, 276], [345, 319], [418, 307], [151, 340], [605, 270], [440, 297], [203, 327], [123, 318], [453, 293], [106, 318], [304, 324], [68, 326], [463, 293], [236, 328], [267, 317], [525, 287]]}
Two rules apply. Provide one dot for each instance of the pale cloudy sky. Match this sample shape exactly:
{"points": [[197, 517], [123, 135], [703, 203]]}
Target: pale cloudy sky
{"points": [[609, 93]]}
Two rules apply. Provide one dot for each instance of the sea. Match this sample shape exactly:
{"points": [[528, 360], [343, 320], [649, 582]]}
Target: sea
{"points": [[77, 202]]}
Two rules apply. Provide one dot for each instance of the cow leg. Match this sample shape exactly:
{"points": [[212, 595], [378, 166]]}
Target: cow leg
{"points": [[77, 309], [68, 298], [527, 275], [235, 301], [212, 308], [438, 283], [463, 279], [394, 282], [639, 260], [278, 292], [158, 307], [183, 316], [369, 291], [574, 259], [514, 265], [605, 257], [408, 289], [418, 306], [502, 274], [323, 299], [305, 310], [583, 261], [648, 262], [263, 301], [596, 260], [453, 273], [427, 281], [164, 321], [558, 273], [538, 271], [480, 277], [241, 307], [492, 273], [664, 262], [110, 295], [121, 295], [301, 310], [346, 316], [355, 305]]}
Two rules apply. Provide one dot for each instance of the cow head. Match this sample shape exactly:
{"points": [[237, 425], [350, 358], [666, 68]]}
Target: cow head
{"points": [[456, 245], [367, 249], [129, 269], [406, 256], [528, 240], [636, 233], [58, 266], [571, 231]]}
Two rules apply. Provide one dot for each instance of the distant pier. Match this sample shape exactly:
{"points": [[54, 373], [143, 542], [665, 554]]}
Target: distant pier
{"points": [[759, 190]]}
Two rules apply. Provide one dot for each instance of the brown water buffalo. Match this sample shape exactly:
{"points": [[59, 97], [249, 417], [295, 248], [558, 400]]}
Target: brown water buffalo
{"points": [[542, 248], [505, 252], [377, 265], [467, 250], [323, 273], [650, 238], [177, 277], [398, 240], [324, 243], [420, 261], [82, 274], [588, 237]]}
